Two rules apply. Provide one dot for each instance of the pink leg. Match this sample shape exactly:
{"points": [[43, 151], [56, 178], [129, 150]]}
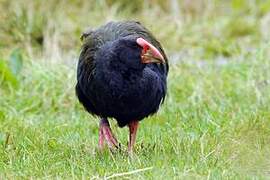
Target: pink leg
{"points": [[101, 138], [133, 126], [105, 132]]}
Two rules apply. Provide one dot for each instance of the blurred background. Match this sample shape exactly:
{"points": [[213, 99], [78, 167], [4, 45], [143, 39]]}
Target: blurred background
{"points": [[215, 120], [206, 29]]}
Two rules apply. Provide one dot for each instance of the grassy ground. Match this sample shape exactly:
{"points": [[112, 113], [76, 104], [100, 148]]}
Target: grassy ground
{"points": [[215, 122]]}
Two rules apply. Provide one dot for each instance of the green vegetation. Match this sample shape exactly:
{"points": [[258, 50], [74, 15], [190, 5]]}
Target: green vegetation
{"points": [[215, 122]]}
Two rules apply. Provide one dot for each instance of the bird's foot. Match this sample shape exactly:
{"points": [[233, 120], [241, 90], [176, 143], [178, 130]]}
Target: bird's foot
{"points": [[105, 133]]}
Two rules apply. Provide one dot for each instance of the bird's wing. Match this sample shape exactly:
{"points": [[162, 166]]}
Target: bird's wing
{"points": [[86, 59]]}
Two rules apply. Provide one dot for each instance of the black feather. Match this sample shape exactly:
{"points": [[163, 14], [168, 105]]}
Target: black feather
{"points": [[112, 81]]}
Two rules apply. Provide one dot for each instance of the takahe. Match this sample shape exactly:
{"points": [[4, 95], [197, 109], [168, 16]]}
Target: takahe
{"points": [[121, 74]]}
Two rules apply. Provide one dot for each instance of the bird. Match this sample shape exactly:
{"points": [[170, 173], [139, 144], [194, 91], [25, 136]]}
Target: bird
{"points": [[122, 75]]}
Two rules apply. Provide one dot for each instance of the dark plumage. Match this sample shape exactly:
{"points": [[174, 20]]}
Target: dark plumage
{"points": [[113, 80]]}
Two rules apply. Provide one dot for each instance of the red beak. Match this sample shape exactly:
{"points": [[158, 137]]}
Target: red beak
{"points": [[150, 54]]}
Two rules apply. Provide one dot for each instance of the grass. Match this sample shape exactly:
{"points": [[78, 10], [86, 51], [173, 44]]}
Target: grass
{"points": [[214, 123]]}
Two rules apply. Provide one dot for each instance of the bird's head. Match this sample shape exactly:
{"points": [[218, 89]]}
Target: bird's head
{"points": [[149, 53], [136, 51]]}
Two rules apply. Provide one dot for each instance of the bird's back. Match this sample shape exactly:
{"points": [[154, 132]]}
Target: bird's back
{"points": [[115, 30]]}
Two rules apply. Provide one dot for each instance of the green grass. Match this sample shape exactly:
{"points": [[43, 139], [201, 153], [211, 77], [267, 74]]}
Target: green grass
{"points": [[214, 124]]}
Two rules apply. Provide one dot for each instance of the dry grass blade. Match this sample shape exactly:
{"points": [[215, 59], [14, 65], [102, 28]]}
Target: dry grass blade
{"points": [[128, 173]]}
